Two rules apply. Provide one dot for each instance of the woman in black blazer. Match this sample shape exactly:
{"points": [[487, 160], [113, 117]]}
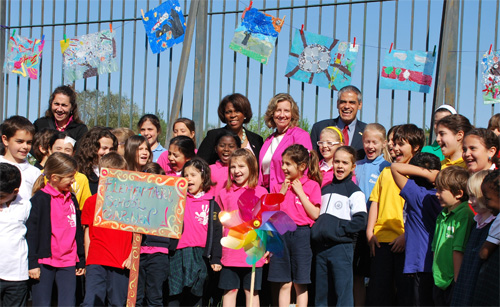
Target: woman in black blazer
{"points": [[234, 110]]}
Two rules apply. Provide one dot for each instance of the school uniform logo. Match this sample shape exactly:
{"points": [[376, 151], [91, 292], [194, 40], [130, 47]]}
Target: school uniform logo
{"points": [[202, 216], [72, 217]]}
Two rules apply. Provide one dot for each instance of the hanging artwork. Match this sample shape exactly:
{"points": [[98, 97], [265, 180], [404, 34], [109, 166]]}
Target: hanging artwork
{"points": [[256, 35], [23, 56], [89, 55], [321, 60], [407, 70], [491, 77], [165, 26]]}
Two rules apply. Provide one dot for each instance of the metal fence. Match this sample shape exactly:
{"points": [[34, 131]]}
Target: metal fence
{"points": [[148, 80]]}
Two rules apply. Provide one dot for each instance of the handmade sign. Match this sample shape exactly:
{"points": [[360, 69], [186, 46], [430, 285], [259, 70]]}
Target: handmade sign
{"points": [[407, 70], [141, 202], [165, 26], [321, 60], [23, 56], [491, 77], [256, 35], [89, 55]]}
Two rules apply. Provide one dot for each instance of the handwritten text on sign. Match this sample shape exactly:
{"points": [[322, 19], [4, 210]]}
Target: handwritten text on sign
{"points": [[141, 202]]}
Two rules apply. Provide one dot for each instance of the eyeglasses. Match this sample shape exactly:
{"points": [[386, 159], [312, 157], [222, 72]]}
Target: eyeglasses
{"points": [[329, 144]]}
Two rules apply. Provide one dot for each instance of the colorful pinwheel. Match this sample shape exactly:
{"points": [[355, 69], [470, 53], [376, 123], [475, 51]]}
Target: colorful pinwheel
{"points": [[255, 227]]}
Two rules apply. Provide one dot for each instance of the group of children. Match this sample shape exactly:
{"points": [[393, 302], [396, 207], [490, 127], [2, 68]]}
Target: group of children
{"points": [[413, 224]]}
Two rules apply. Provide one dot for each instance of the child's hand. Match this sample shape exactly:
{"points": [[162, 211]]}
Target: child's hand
{"points": [[80, 272], [297, 187], [284, 186], [398, 245], [128, 262], [216, 267], [372, 242], [267, 256], [34, 273]]}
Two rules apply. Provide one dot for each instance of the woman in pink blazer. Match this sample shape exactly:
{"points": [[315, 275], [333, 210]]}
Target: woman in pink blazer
{"points": [[283, 114]]}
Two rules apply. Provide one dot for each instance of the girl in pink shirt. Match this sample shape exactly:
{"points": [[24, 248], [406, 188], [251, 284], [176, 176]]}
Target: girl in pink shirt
{"points": [[180, 150], [244, 174], [226, 143], [200, 238], [55, 234], [330, 139], [302, 204]]}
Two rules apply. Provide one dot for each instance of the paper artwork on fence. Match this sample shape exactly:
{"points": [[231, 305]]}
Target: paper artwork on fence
{"points": [[23, 56], [408, 70], [89, 55], [256, 34], [491, 77], [165, 26], [321, 60]]}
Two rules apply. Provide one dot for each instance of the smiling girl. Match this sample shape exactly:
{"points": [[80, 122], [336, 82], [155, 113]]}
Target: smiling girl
{"points": [[480, 150], [450, 135], [329, 140], [227, 143], [302, 204], [241, 187], [149, 127], [137, 152], [55, 234]]}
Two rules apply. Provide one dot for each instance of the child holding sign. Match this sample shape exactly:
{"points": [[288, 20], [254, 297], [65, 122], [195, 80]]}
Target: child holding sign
{"points": [[107, 252]]}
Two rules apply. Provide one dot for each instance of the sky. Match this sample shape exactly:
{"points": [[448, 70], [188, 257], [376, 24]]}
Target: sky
{"points": [[145, 76]]}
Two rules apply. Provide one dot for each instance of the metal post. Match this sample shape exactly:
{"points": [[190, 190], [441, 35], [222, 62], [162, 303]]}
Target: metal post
{"points": [[181, 75], [200, 58], [2, 54]]}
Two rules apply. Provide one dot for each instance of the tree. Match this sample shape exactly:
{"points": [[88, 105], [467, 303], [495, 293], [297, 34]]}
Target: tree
{"points": [[92, 116]]}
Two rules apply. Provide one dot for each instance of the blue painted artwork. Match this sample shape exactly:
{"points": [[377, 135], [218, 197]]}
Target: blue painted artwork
{"points": [[256, 35], [321, 60], [408, 70], [165, 26]]}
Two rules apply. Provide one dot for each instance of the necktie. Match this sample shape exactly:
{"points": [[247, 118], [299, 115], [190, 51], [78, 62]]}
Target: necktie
{"points": [[345, 134]]}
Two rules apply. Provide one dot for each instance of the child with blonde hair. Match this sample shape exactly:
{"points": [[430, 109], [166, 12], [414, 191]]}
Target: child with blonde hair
{"points": [[330, 139]]}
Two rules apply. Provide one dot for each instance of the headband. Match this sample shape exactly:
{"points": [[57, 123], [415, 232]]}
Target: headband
{"points": [[447, 107], [69, 140], [338, 132]]}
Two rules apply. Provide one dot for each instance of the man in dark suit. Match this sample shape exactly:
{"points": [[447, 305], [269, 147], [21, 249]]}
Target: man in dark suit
{"points": [[349, 101]]}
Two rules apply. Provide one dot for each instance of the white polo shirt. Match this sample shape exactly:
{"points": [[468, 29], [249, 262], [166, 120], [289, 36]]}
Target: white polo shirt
{"points": [[13, 245], [29, 174]]}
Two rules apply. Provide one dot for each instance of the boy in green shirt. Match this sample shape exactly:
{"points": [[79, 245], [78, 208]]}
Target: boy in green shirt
{"points": [[453, 226]]}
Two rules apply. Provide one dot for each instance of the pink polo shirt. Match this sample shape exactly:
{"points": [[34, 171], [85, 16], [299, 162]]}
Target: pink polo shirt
{"points": [[228, 201], [196, 215], [63, 223], [292, 204], [219, 174], [327, 172]]}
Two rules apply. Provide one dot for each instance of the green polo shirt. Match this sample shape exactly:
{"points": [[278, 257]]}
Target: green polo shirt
{"points": [[452, 233], [434, 149]]}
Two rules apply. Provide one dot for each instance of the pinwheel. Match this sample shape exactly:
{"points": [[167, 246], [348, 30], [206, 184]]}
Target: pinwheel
{"points": [[255, 228]]}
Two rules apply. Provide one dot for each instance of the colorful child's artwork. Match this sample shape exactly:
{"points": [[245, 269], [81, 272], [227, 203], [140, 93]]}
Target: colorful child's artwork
{"points": [[321, 60], [491, 77], [89, 55], [165, 26], [256, 35], [408, 70], [23, 56]]}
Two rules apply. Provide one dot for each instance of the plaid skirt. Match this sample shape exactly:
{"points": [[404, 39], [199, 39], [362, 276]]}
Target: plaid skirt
{"points": [[187, 269]]}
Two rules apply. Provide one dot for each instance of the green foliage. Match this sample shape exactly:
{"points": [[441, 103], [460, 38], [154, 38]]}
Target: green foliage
{"points": [[87, 101]]}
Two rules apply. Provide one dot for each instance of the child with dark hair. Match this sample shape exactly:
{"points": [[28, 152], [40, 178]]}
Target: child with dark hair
{"points": [[494, 124], [226, 143], [107, 252], [137, 152], [41, 146], [422, 208], [453, 226], [149, 126], [491, 191], [14, 212], [385, 227], [180, 150], [451, 131], [17, 137], [94, 144], [440, 113]]}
